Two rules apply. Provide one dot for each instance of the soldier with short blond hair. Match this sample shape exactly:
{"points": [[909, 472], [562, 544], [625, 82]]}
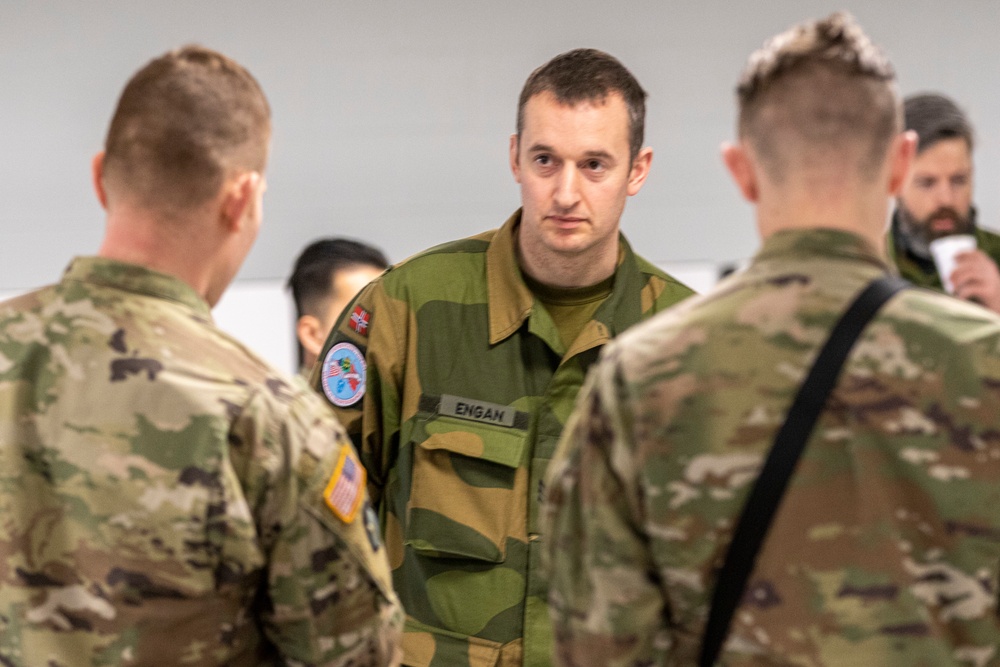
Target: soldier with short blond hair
{"points": [[166, 497], [884, 548]]}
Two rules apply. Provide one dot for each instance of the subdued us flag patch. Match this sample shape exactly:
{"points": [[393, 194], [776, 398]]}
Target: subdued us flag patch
{"points": [[346, 487]]}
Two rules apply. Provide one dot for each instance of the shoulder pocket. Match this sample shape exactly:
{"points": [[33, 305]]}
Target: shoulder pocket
{"points": [[469, 489]]}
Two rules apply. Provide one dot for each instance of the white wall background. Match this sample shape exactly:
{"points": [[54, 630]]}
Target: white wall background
{"points": [[240, 309], [391, 118], [261, 312]]}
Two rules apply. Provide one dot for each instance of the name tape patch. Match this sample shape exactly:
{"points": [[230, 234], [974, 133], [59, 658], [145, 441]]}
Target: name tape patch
{"points": [[344, 375], [477, 411], [346, 487]]}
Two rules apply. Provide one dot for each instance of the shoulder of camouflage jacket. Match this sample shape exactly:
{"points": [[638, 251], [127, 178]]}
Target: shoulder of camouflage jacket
{"points": [[169, 385], [925, 377]]}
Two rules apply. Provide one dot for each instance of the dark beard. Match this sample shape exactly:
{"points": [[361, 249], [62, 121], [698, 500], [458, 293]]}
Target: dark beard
{"points": [[918, 234]]}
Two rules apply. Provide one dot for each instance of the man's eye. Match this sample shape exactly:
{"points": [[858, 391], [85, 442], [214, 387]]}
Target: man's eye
{"points": [[543, 160], [595, 165]]}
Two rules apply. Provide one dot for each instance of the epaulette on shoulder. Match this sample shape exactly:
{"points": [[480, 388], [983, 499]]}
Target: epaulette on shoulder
{"points": [[472, 244], [648, 268]]}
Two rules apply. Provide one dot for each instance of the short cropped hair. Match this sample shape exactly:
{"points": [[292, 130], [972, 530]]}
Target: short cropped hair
{"points": [[310, 280], [185, 122], [935, 117], [815, 90], [588, 75]]}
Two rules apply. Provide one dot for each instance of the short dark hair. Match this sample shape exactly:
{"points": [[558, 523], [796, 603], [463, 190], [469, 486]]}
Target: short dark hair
{"points": [[310, 280], [183, 123], [825, 84], [586, 75], [935, 117]]}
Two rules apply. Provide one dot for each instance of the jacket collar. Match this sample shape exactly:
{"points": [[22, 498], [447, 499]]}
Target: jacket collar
{"points": [[511, 302], [136, 279], [807, 243]]}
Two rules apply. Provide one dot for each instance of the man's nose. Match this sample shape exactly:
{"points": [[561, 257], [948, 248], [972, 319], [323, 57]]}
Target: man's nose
{"points": [[567, 192], [946, 195]]}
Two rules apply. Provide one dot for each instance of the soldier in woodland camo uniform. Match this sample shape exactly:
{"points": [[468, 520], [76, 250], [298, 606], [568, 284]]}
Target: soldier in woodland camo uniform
{"points": [[166, 498], [936, 201], [455, 371], [886, 547]]}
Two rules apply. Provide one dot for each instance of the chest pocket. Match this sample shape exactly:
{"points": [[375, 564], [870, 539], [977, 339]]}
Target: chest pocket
{"points": [[469, 489]]}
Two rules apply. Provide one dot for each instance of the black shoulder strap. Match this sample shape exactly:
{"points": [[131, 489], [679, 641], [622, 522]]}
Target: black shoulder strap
{"points": [[770, 486]]}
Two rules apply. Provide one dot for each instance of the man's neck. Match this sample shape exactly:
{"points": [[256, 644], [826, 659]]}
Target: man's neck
{"points": [[568, 271], [136, 237], [858, 215], [308, 361]]}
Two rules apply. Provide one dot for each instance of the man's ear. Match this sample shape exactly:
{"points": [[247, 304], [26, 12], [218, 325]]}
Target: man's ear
{"points": [[97, 174], [741, 168], [640, 170], [238, 196], [901, 153], [310, 334], [515, 163]]}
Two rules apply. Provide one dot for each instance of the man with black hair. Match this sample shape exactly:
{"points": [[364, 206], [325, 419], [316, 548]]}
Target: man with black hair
{"points": [[327, 275], [936, 201]]}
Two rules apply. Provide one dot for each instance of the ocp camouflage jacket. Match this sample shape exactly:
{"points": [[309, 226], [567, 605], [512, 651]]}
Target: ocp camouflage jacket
{"points": [[162, 492]]}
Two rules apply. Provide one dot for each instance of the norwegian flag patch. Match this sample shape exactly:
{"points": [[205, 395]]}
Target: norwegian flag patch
{"points": [[346, 487], [359, 320]]}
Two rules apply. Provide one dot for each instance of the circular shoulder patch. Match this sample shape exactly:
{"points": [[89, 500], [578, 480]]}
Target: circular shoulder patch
{"points": [[344, 374]]}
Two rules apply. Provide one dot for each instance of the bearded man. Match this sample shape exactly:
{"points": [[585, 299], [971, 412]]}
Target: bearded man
{"points": [[936, 201]]}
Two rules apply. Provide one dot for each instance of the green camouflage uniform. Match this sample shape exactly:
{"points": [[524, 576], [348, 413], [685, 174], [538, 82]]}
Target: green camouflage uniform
{"points": [[921, 271], [162, 492], [468, 389], [886, 548]]}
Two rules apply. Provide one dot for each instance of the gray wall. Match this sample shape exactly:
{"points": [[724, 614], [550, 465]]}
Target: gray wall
{"points": [[391, 118]]}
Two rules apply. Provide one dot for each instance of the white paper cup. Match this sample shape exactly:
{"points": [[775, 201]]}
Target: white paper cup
{"points": [[944, 250]]}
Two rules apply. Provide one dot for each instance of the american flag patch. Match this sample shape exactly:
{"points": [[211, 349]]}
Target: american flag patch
{"points": [[346, 487]]}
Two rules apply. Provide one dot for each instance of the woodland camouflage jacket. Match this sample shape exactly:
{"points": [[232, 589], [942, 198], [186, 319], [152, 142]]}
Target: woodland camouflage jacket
{"points": [[455, 385]]}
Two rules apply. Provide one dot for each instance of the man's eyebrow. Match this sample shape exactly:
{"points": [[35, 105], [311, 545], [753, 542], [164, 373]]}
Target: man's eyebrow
{"points": [[542, 148], [599, 154]]}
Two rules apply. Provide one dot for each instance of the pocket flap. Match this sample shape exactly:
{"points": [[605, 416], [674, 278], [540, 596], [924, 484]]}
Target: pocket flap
{"points": [[497, 444]]}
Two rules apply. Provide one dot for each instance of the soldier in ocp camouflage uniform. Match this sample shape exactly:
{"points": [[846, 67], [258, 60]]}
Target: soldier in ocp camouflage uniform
{"points": [[455, 371], [886, 547], [166, 498]]}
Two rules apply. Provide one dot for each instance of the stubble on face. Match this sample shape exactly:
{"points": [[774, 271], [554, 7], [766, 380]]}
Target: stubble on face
{"points": [[944, 221], [574, 167], [936, 200]]}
